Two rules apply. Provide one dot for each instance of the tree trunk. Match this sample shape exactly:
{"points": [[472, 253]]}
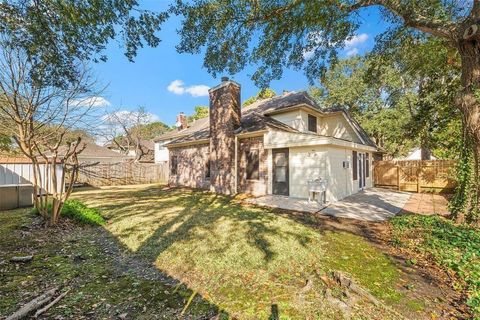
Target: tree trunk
{"points": [[468, 101]]}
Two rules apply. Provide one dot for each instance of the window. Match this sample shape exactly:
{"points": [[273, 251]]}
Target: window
{"points": [[253, 164], [207, 167], [354, 165], [367, 165], [174, 165], [312, 123]]}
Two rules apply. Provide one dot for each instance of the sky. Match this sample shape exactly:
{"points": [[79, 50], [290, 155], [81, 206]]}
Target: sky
{"points": [[167, 83]]}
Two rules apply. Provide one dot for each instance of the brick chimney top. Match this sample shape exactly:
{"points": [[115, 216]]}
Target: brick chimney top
{"points": [[181, 121], [225, 79]]}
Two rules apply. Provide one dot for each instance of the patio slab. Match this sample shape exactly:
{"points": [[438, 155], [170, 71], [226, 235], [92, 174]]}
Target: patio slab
{"points": [[373, 204]]}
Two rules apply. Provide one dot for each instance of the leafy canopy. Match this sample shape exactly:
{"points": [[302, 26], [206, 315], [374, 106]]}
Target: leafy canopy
{"points": [[200, 112], [57, 35], [276, 35], [262, 94]]}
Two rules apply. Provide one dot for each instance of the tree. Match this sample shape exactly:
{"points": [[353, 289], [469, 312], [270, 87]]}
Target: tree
{"points": [[200, 112], [262, 94], [399, 98], [125, 128], [347, 84], [152, 130], [40, 119], [55, 35], [304, 34]]}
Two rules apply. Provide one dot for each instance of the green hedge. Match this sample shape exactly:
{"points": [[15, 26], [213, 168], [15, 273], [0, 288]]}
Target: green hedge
{"points": [[78, 211]]}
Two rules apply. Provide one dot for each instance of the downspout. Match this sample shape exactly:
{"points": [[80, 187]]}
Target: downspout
{"points": [[236, 166]]}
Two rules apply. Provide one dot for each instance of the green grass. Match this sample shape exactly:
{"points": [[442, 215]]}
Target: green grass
{"points": [[455, 248], [78, 211], [243, 260], [248, 262], [101, 287]]}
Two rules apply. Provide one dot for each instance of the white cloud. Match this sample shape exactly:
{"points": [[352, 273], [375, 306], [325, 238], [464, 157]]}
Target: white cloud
{"points": [[352, 52], [178, 87], [356, 40], [92, 102], [199, 90]]}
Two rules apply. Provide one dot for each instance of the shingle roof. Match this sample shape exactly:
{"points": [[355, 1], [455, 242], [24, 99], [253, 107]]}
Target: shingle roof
{"points": [[254, 118], [284, 101], [193, 127], [93, 150]]}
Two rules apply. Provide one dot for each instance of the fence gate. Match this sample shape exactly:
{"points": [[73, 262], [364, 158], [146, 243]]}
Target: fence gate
{"points": [[416, 175]]}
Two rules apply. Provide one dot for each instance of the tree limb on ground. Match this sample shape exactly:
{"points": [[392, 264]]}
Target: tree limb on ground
{"points": [[33, 305], [48, 306]]}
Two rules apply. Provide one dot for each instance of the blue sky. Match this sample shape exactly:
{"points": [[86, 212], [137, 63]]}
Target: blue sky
{"points": [[148, 81]]}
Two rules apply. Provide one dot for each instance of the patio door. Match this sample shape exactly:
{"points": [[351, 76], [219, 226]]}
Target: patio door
{"points": [[280, 182], [361, 170]]}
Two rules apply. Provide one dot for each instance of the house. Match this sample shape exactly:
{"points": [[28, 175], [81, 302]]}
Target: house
{"points": [[146, 152], [273, 146], [183, 129], [419, 154], [95, 153]]}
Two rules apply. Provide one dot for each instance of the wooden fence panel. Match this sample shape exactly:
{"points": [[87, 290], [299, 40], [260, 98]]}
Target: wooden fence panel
{"points": [[416, 175], [123, 173]]}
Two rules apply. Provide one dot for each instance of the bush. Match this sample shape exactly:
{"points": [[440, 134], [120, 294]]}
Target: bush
{"points": [[78, 211], [454, 247]]}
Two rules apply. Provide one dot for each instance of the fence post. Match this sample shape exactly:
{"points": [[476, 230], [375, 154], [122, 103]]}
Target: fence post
{"points": [[419, 168]]}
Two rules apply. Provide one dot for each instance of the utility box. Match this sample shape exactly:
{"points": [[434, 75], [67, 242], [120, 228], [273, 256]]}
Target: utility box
{"points": [[16, 196]]}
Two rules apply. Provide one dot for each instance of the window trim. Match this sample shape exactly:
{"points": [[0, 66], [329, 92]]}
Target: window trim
{"points": [[311, 116], [247, 158], [208, 168], [174, 165], [355, 165]]}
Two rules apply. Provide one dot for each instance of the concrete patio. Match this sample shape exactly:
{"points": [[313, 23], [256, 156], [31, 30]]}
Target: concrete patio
{"points": [[373, 204]]}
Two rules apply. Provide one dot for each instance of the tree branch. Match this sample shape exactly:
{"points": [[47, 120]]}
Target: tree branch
{"points": [[438, 28]]}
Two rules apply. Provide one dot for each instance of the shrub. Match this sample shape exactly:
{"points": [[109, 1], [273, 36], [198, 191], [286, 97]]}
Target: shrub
{"points": [[454, 247], [78, 211]]}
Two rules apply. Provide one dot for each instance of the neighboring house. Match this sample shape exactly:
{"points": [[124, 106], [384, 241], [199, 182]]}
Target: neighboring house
{"points": [[95, 153], [273, 146], [147, 148], [419, 154], [183, 129]]}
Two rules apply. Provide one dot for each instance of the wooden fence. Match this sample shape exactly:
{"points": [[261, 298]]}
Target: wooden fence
{"points": [[113, 174], [416, 175]]}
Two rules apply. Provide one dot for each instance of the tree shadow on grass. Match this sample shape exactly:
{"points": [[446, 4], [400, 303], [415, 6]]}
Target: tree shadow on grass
{"points": [[196, 221]]}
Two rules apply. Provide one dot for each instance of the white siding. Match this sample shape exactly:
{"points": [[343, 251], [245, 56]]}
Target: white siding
{"points": [[305, 163], [295, 119], [161, 152], [324, 162], [337, 126]]}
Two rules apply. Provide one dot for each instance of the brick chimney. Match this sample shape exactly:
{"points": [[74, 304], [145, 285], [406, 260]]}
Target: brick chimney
{"points": [[225, 115], [181, 121]]}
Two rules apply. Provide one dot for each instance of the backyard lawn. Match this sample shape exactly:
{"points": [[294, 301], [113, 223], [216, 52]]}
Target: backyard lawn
{"points": [[190, 254]]}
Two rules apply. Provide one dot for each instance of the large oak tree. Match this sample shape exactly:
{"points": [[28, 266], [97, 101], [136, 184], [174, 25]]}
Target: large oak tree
{"points": [[306, 34]]}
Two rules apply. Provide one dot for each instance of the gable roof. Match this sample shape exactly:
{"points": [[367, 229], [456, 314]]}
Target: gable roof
{"points": [[192, 127], [93, 150], [255, 118]]}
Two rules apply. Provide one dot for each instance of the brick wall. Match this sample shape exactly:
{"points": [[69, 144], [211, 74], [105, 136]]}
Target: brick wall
{"points": [[254, 187], [224, 120], [191, 166]]}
